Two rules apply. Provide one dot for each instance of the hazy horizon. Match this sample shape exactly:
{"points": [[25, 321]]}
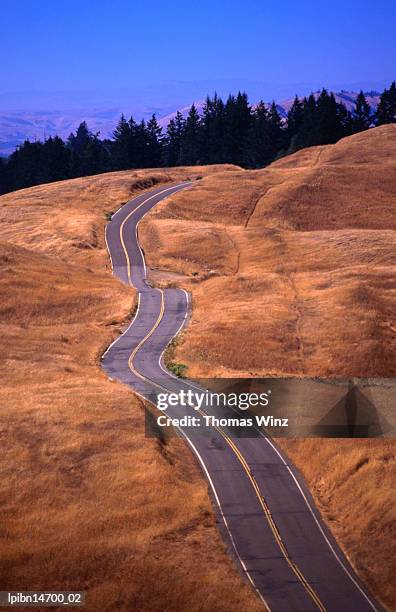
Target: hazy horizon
{"points": [[70, 62], [67, 56], [162, 98]]}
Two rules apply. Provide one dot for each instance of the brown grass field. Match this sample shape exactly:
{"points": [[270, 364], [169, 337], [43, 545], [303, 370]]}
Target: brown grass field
{"points": [[300, 258], [87, 501]]}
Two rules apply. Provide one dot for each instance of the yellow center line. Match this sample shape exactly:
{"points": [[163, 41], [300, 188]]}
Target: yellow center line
{"points": [[228, 440], [123, 224], [271, 522], [150, 333], [244, 464]]}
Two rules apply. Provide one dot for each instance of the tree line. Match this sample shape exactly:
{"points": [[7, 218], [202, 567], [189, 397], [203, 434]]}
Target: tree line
{"points": [[227, 132]]}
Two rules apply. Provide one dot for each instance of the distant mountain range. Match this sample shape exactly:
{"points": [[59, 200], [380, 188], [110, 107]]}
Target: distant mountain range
{"points": [[17, 126]]}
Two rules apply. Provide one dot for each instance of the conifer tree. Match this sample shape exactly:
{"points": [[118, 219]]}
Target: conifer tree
{"points": [[78, 143], [259, 150], [276, 133], [173, 140], [328, 126], [122, 144], [362, 114], [172, 146], [4, 179], [386, 110], [345, 121], [132, 154], [237, 119], [179, 124], [305, 134], [295, 118], [24, 164], [55, 160], [141, 144], [154, 143], [212, 130], [190, 142], [94, 159]]}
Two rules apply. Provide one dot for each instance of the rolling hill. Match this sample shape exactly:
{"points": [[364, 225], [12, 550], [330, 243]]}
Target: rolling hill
{"points": [[299, 257], [87, 500], [292, 273]]}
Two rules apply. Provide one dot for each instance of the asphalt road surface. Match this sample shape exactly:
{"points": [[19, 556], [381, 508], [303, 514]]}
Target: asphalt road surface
{"points": [[264, 509]]}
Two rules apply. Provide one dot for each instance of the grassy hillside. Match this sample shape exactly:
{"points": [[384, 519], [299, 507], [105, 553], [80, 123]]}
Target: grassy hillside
{"points": [[300, 258], [87, 502], [308, 243]]}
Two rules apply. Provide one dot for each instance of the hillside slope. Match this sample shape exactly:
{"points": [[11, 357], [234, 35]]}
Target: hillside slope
{"points": [[308, 245], [87, 500], [292, 273]]}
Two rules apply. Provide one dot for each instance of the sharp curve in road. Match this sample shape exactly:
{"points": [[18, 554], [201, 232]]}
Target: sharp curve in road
{"points": [[264, 509]]}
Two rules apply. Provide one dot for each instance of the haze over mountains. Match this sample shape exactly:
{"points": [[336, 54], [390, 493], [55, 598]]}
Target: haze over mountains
{"points": [[347, 98], [19, 125]]}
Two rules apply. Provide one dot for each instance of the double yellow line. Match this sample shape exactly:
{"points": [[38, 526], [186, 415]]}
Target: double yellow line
{"points": [[150, 333], [272, 523], [228, 440], [123, 224]]}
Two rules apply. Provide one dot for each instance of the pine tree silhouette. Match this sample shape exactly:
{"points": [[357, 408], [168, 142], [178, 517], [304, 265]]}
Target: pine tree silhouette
{"points": [[212, 131], [233, 132], [190, 142], [362, 115], [121, 145], [386, 110], [154, 143], [173, 140], [295, 118], [259, 149]]}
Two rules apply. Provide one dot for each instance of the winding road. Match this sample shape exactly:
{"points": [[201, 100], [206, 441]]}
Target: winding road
{"points": [[264, 510]]}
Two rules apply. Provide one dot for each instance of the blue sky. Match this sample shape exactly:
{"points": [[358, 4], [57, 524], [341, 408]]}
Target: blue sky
{"points": [[69, 54]]}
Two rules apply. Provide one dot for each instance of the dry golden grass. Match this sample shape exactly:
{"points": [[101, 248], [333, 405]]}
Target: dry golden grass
{"points": [[353, 483], [67, 218], [87, 501], [292, 272], [284, 283]]}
